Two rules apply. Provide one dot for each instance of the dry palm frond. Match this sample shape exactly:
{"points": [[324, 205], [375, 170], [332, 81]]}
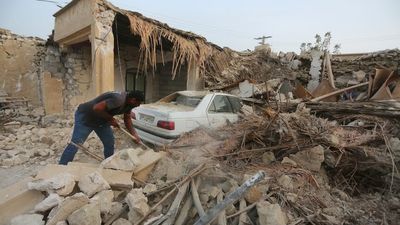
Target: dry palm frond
{"points": [[193, 51]]}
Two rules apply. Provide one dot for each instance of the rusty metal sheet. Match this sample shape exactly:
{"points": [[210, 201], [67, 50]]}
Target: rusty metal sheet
{"points": [[381, 75], [384, 92], [301, 92], [324, 88]]}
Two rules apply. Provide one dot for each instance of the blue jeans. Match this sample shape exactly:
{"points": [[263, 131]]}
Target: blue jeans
{"points": [[80, 134]]}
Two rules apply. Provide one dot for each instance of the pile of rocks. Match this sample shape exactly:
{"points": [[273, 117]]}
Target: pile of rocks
{"points": [[30, 144], [64, 203], [39, 142], [90, 198]]}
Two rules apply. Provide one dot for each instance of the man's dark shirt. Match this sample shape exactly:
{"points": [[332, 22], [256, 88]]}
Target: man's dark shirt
{"points": [[115, 105]]}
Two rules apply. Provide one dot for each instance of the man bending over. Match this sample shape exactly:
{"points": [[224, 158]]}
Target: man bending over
{"points": [[98, 115]]}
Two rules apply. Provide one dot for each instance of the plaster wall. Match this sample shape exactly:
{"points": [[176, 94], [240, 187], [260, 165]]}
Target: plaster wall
{"points": [[72, 19], [19, 65]]}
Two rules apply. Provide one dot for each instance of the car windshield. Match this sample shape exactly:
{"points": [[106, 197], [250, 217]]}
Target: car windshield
{"points": [[191, 101]]}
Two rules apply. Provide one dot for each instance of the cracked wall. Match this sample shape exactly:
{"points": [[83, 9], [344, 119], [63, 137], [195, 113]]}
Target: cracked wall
{"points": [[20, 59]]}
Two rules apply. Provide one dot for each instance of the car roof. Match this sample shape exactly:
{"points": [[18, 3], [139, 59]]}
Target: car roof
{"points": [[202, 93], [193, 93]]}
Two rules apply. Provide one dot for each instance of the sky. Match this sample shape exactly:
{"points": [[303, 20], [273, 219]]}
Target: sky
{"points": [[358, 25]]}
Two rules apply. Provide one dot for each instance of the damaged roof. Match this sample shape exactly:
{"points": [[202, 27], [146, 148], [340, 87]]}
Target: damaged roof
{"points": [[187, 47]]}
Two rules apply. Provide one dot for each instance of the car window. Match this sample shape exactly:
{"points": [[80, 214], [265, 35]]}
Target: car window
{"points": [[188, 101], [220, 104], [191, 101], [236, 104]]}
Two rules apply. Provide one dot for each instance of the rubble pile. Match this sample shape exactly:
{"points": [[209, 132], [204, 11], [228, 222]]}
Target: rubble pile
{"points": [[280, 164], [317, 171], [319, 168], [256, 65], [32, 144], [28, 137], [260, 66], [348, 69]]}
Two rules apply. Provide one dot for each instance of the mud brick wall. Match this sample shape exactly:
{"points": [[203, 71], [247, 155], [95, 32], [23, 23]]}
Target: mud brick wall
{"points": [[20, 59], [367, 63]]}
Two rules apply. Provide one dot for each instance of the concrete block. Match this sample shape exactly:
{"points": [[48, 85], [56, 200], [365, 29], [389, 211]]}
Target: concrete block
{"points": [[87, 215], [63, 184], [66, 207], [28, 219], [116, 179], [17, 199], [93, 183], [48, 203]]}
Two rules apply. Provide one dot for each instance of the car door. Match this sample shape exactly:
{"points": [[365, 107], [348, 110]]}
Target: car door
{"points": [[220, 111]]}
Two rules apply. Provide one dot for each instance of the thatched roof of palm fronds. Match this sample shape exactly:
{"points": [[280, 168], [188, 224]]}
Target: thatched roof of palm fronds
{"points": [[188, 48]]}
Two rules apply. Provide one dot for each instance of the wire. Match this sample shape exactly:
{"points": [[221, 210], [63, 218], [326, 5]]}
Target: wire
{"points": [[118, 53]]}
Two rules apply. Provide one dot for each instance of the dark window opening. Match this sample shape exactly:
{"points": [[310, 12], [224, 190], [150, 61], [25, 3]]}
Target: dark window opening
{"points": [[135, 81]]}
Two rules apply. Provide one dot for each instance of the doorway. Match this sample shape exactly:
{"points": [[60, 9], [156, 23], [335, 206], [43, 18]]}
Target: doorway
{"points": [[135, 81]]}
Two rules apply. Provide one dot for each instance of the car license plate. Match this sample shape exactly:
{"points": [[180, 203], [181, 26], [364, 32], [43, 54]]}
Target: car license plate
{"points": [[146, 118]]}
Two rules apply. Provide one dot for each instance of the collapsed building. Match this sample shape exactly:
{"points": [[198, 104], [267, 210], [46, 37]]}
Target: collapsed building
{"points": [[324, 161], [97, 47]]}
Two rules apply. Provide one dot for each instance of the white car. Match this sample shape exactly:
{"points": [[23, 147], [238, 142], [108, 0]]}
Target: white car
{"points": [[165, 120]]}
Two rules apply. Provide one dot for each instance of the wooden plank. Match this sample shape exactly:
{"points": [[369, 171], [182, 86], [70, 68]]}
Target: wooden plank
{"points": [[329, 68], [116, 178], [338, 92], [17, 199]]}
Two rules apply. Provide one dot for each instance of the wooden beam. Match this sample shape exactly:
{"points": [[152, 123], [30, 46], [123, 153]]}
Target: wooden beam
{"points": [[338, 92]]}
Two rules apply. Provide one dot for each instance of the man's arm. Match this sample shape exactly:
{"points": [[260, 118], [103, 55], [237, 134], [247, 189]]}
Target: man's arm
{"points": [[101, 110], [129, 126]]}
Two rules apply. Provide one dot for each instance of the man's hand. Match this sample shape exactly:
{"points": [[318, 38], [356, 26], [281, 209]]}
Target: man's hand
{"points": [[113, 122], [137, 139]]}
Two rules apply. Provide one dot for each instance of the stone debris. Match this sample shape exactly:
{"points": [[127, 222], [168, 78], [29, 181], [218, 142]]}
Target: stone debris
{"points": [[115, 207], [103, 199], [121, 221], [149, 188], [92, 184], [137, 203], [286, 182], [66, 207], [255, 193], [126, 160], [87, 215], [268, 158], [63, 184], [287, 160], [310, 159], [62, 223], [48, 203], [28, 219], [270, 214]]}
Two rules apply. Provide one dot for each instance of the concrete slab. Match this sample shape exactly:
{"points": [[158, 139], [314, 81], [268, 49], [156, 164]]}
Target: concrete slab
{"points": [[117, 179], [17, 199]]}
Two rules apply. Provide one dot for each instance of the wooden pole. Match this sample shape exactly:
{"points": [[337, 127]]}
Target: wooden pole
{"points": [[87, 152], [173, 210], [196, 199], [230, 198], [133, 138], [184, 213], [222, 215], [338, 92]]}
